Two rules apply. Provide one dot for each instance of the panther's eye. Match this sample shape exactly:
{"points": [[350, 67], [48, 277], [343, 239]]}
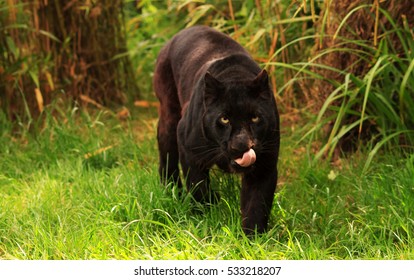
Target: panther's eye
{"points": [[255, 119], [224, 120]]}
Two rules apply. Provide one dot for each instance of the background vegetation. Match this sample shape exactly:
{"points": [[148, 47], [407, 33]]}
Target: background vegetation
{"points": [[77, 131], [64, 50]]}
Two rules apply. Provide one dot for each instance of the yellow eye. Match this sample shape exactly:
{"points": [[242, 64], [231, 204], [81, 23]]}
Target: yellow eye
{"points": [[224, 120], [255, 119]]}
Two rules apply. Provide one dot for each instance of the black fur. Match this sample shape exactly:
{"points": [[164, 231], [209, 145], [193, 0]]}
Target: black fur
{"points": [[203, 79]]}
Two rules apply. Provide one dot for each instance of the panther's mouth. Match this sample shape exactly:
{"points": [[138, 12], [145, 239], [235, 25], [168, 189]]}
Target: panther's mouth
{"points": [[247, 159]]}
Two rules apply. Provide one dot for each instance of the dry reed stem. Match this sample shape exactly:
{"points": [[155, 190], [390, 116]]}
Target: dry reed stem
{"points": [[361, 25], [232, 15], [68, 46]]}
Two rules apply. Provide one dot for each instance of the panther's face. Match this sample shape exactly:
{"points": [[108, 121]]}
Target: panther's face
{"points": [[239, 121]]}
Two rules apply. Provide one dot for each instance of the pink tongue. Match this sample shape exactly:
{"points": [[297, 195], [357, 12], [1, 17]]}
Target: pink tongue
{"points": [[248, 158]]}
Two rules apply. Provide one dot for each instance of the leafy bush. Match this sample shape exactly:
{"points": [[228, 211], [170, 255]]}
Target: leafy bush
{"points": [[348, 62], [372, 104]]}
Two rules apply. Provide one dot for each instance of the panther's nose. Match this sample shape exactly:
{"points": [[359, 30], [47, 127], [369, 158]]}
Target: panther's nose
{"points": [[240, 144]]}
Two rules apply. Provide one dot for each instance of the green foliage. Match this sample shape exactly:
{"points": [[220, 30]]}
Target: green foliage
{"points": [[370, 106], [85, 186], [362, 106], [261, 26], [375, 106]]}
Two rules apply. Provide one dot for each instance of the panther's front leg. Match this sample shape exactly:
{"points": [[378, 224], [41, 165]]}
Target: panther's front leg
{"points": [[257, 195]]}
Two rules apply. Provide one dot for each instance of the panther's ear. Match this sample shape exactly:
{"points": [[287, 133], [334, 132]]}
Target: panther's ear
{"points": [[212, 87], [260, 85], [262, 78]]}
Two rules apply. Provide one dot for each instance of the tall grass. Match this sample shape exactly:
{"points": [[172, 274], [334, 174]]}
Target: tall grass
{"points": [[52, 49], [373, 106], [86, 187], [358, 83], [366, 99], [263, 27], [79, 184]]}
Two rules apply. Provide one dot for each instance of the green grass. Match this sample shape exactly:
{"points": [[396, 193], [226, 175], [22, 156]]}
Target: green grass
{"points": [[85, 186]]}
